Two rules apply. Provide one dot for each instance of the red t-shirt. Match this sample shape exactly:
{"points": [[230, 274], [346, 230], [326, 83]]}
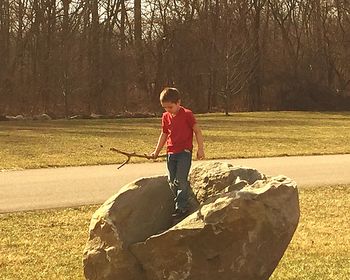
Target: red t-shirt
{"points": [[179, 129]]}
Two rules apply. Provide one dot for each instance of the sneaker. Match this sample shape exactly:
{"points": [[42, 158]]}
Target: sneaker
{"points": [[180, 213]]}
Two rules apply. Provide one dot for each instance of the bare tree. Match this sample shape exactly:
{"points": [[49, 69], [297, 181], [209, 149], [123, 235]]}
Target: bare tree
{"points": [[68, 57]]}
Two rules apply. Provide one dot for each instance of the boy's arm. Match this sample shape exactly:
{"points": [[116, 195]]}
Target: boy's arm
{"points": [[200, 141], [161, 141]]}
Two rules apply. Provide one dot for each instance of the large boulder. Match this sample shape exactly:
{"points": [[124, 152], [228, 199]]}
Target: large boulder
{"points": [[139, 210], [240, 230], [212, 178]]}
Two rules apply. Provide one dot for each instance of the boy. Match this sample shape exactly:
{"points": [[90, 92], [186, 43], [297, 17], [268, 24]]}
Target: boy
{"points": [[178, 125]]}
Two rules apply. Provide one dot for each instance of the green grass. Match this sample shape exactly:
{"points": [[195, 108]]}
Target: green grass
{"points": [[320, 247], [35, 144], [49, 244]]}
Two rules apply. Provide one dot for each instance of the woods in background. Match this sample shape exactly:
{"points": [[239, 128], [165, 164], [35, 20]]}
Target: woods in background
{"points": [[65, 57]]}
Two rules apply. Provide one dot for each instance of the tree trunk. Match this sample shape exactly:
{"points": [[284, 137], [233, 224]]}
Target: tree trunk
{"points": [[66, 92], [141, 75]]}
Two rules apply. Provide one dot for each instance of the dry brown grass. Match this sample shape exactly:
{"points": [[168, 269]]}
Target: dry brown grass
{"points": [[48, 244], [36, 144]]}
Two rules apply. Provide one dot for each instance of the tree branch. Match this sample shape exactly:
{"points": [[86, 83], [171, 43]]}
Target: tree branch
{"points": [[133, 154]]}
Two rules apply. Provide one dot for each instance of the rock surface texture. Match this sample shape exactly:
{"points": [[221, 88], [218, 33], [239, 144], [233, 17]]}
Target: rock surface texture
{"points": [[240, 227]]}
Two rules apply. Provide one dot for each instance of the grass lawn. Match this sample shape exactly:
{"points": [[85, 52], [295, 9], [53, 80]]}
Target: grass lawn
{"points": [[35, 144], [49, 244]]}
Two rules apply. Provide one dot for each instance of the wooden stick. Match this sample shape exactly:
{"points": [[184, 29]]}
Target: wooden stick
{"points": [[133, 154]]}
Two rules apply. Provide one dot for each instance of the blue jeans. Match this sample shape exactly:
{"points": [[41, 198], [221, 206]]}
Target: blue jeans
{"points": [[179, 165]]}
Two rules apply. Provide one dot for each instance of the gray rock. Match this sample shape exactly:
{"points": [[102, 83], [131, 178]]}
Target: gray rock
{"points": [[42, 117], [240, 231], [211, 178], [15, 118], [96, 116], [139, 210]]}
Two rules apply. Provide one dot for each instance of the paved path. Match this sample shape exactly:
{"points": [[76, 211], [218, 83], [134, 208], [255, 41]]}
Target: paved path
{"points": [[72, 186]]}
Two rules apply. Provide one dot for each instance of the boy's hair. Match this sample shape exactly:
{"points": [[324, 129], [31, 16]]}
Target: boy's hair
{"points": [[169, 94]]}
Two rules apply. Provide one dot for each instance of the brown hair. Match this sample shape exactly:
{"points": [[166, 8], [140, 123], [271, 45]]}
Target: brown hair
{"points": [[169, 94]]}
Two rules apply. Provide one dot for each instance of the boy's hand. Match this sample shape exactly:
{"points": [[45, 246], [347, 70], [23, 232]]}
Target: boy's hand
{"points": [[200, 154], [154, 154]]}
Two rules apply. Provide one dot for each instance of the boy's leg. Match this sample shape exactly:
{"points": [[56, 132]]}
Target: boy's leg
{"points": [[183, 167], [171, 165]]}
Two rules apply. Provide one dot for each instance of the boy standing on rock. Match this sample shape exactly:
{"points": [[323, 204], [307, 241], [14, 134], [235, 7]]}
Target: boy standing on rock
{"points": [[178, 125]]}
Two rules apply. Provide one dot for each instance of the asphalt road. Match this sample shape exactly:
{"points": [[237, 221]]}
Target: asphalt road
{"points": [[74, 186]]}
